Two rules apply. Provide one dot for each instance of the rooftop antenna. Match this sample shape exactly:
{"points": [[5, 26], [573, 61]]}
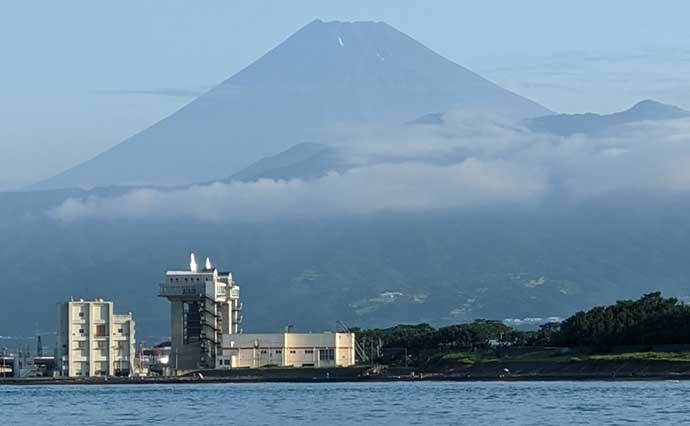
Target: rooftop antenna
{"points": [[208, 264], [192, 263], [39, 346]]}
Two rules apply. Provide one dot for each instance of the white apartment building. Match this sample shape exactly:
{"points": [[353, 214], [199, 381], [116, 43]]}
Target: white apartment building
{"points": [[94, 341]]}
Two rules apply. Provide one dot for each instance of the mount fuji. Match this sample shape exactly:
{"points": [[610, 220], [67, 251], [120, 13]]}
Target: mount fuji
{"points": [[321, 83]]}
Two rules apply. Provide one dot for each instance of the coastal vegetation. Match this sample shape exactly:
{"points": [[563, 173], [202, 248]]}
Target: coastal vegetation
{"points": [[652, 328]]}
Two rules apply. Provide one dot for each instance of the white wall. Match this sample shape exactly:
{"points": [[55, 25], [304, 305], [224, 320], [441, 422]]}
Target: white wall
{"points": [[287, 349]]}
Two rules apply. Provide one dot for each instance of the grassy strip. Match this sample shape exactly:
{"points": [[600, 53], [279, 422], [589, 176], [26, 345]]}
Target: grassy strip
{"points": [[643, 356], [556, 355]]}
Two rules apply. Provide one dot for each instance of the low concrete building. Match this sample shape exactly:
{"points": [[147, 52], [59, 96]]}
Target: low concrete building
{"points": [[288, 350], [94, 341], [8, 366], [155, 361]]}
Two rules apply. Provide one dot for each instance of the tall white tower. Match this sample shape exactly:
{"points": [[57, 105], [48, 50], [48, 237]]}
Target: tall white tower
{"points": [[204, 306]]}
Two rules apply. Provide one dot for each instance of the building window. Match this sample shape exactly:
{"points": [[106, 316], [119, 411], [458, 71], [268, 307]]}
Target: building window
{"points": [[81, 314], [308, 351], [278, 351], [264, 351], [326, 355], [293, 352], [81, 331], [100, 330]]}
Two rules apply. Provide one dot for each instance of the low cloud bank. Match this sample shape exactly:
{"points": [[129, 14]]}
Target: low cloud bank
{"points": [[500, 164], [399, 187]]}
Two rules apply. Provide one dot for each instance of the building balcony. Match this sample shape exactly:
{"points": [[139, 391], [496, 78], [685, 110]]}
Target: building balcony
{"points": [[181, 289], [234, 293]]}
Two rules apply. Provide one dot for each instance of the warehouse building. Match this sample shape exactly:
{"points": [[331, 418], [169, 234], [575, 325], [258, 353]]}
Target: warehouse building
{"points": [[288, 350], [94, 341]]}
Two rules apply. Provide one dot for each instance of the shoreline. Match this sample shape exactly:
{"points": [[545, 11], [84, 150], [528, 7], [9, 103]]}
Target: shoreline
{"points": [[488, 372], [177, 381]]}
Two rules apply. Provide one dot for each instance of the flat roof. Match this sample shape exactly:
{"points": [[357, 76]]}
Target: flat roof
{"points": [[189, 273]]}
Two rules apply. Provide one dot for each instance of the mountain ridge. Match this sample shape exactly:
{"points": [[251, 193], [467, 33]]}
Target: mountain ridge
{"points": [[592, 123]]}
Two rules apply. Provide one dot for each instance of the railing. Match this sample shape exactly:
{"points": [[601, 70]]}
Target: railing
{"points": [[195, 289], [167, 289]]}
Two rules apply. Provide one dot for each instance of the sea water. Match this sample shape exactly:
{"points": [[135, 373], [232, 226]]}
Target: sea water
{"points": [[401, 403]]}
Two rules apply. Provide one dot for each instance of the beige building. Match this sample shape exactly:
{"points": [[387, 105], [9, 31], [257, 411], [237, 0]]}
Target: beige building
{"points": [[288, 350], [94, 341]]}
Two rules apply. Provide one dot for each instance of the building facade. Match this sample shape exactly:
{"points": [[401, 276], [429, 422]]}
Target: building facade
{"points": [[205, 334], [204, 306], [288, 350], [94, 341]]}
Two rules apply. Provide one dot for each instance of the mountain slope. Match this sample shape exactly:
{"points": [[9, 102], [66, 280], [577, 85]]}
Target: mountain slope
{"points": [[302, 161], [325, 77], [568, 124], [366, 270]]}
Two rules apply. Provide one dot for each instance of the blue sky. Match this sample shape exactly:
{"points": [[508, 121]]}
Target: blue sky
{"points": [[80, 76]]}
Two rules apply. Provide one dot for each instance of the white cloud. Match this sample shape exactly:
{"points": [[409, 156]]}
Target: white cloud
{"points": [[396, 187], [467, 162]]}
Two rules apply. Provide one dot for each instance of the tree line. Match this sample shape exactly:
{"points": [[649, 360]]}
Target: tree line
{"points": [[650, 320]]}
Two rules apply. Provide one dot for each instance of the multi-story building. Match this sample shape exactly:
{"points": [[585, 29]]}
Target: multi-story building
{"points": [[94, 341], [205, 333], [204, 306]]}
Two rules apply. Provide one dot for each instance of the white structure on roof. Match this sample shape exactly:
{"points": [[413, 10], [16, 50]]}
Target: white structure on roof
{"points": [[204, 329], [94, 341]]}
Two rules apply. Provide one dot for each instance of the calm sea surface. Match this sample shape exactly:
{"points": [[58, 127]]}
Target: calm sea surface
{"points": [[561, 403]]}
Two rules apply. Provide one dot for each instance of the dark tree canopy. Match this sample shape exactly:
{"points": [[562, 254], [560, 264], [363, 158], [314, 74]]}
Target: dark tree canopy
{"points": [[651, 320]]}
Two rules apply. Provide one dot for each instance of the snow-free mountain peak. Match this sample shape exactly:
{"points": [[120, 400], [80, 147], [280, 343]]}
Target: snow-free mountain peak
{"points": [[591, 123]]}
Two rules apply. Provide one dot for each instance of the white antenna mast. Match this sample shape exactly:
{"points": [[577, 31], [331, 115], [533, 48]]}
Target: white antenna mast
{"points": [[192, 263]]}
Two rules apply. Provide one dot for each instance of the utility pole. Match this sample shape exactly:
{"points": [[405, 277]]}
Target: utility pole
{"points": [[4, 355], [39, 347], [176, 360]]}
